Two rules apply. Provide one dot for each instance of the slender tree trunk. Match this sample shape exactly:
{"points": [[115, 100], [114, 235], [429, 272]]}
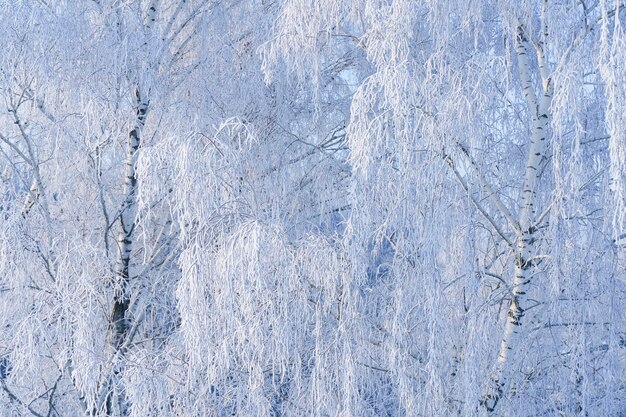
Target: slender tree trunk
{"points": [[127, 219], [121, 325], [525, 240], [121, 299]]}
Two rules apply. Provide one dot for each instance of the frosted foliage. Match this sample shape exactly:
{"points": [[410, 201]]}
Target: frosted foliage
{"points": [[255, 358], [299, 207], [612, 71], [423, 105], [297, 25]]}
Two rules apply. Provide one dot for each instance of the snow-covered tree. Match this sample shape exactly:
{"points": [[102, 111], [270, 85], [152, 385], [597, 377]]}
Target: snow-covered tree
{"points": [[312, 207]]}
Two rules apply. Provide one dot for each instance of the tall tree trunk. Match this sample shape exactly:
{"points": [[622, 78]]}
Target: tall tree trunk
{"points": [[127, 219], [526, 237], [120, 324]]}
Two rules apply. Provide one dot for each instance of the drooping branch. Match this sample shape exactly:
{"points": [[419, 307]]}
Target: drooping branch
{"points": [[476, 203], [490, 192]]}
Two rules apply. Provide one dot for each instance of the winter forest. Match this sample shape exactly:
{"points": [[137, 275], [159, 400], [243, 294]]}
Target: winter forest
{"points": [[312, 208]]}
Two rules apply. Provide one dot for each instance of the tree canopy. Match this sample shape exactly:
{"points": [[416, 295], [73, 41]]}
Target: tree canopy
{"points": [[313, 207]]}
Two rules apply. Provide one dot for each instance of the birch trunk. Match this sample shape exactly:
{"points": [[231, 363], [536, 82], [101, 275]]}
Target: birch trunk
{"points": [[127, 219], [526, 237], [121, 298], [122, 329]]}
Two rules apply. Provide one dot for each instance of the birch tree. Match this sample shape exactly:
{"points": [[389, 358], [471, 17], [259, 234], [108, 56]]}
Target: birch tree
{"points": [[312, 208], [461, 102]]}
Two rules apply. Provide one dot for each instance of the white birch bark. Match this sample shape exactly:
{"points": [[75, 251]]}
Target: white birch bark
{"points": [[525, 239], [121, 326], [121, 300], [127, 220]]}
